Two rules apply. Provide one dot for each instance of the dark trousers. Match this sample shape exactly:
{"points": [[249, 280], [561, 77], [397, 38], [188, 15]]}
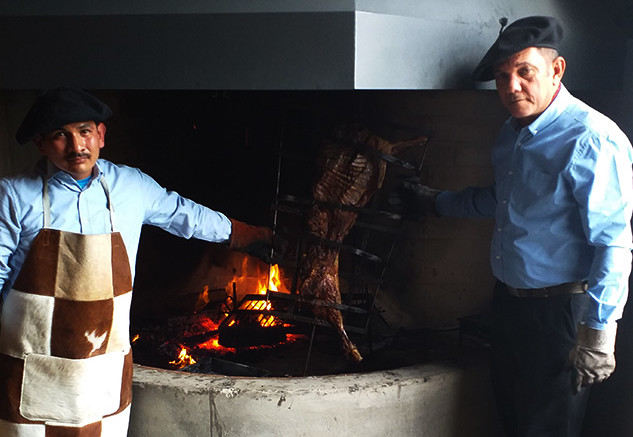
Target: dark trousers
{"points": [[532, 338]]}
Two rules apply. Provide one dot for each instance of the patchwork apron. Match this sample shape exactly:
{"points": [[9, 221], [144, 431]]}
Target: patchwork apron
{"points": [[65, 356]]}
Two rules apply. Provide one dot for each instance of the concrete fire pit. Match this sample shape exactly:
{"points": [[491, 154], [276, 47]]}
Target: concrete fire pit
{"points": [[437, 399]]}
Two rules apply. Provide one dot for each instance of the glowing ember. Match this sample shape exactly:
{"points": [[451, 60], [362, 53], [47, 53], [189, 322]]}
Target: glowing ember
{"points": [[209, 324], [256, 305], [184, 359], [214, 344]]}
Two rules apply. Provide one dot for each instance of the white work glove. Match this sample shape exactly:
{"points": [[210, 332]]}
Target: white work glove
{"points": [[593, 356]]}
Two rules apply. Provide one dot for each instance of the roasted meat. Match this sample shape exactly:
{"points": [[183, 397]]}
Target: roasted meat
{"points": [[349, 172]]}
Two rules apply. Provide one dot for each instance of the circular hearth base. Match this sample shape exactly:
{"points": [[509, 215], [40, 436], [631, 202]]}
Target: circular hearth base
{"points": [[450, 397]]}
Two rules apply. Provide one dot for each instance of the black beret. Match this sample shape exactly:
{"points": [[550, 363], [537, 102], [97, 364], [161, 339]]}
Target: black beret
{"points": [[527, 32], [58, 107]]}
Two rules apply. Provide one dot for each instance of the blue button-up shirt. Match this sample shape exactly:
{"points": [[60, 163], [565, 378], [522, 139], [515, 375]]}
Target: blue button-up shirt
{"points": [[562, 202], [136, 199]]}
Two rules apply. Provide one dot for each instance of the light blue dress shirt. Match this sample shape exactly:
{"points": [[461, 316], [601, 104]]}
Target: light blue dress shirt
{"points": [[562, 202], [137, 200]]}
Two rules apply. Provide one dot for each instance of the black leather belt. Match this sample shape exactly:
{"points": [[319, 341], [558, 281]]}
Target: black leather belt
{"points": [[555, 290]]}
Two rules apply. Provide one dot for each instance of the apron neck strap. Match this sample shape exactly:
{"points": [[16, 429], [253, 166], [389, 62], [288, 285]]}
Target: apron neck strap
{"points": [[46, 202], [106, 190]]}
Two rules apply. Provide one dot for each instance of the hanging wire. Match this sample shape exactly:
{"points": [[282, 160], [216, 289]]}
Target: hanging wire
{"points": [[282, 133]]}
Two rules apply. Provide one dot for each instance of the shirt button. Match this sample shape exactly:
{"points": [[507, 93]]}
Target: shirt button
{"points": [[497, 257], [510, 172], [498, 229], [504, 201]]}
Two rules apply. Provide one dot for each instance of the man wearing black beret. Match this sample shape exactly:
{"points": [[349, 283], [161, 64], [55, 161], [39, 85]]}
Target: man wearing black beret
{"points": [[69, 232], [561, 248]]}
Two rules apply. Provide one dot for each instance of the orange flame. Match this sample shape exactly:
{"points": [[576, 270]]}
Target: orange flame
{"points": [[184, 359], [271, 280], [203, 299], [274, 282]]}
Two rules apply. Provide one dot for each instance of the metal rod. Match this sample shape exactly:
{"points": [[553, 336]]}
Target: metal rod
{"points": [[305, 368], [276, 202], [418, 172], [234, 296], [345, 247], [311, 202], [313, 302], [278, 182]]}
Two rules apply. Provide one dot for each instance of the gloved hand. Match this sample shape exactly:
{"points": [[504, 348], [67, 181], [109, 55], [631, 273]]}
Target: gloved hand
{"points": [[258, 241], [593, 356], [417, 200]]}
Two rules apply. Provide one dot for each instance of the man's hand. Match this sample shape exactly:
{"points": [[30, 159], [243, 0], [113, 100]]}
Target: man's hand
{"points": [[258, 241], [417, 200], [593, 356]]}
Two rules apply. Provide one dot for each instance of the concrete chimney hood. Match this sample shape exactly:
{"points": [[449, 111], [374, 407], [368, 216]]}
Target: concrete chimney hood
{"points": [[261, 44]]}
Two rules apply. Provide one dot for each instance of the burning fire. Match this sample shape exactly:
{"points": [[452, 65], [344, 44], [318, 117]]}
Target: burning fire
{"points": [[184, 359], [270, 280], [274, 282], [265, 282]]}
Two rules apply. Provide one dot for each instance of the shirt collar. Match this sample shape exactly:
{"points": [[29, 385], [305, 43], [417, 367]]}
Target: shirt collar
{"points": [[50, 171]]}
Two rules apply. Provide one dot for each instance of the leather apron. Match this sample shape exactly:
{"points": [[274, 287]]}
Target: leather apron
{"points": [[65, 356]]}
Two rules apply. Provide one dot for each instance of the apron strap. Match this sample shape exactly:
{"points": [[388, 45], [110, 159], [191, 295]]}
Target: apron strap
{"points": [[106, 189], [46, 203]]}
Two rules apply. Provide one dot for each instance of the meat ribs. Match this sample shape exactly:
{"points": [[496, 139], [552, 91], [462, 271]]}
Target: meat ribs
{"points": [[349, 172]]}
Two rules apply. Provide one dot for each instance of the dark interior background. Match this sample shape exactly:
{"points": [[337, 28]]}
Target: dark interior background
{"points": [[204, 92]]}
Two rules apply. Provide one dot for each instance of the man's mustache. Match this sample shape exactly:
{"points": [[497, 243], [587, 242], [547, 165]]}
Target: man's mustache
{"points": [[74, 155]]}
